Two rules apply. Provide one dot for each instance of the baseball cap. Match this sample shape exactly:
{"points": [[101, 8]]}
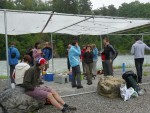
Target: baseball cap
{"points": [[41, 61]]}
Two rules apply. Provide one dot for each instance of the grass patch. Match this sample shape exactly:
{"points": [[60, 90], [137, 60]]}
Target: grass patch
{"points": [[146, 65], [3, 77], [145, 73], [120, 67]]}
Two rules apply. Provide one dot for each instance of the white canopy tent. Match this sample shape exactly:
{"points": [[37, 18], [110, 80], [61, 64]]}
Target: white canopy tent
{"points": [[23, 22], [26, 22]]}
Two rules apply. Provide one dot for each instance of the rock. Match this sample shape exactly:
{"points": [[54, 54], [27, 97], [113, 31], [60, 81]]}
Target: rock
{"points": [[110, 86], [16, 101], [3, 84]]}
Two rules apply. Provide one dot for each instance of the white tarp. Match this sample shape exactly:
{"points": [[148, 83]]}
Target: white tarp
{"points": [[21, 22]]}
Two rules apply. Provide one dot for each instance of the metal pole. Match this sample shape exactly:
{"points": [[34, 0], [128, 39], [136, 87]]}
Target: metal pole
{"points": [[143, 38], [52, 52], [6, 40], [101, 42]]}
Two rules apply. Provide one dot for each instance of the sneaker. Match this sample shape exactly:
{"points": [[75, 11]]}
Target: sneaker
{"points": [[74, 86], [66, 111], [89, 83], [71, 108], [79, 87]]}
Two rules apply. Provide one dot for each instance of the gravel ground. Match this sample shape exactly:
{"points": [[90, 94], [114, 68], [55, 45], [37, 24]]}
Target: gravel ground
{"points": [[93, 103]]}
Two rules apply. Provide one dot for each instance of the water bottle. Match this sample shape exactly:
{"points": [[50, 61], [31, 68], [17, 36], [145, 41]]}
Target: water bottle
{"points": [[123, 68]]}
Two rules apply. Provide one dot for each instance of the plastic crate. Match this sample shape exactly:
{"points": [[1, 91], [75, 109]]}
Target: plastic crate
{"points": [[62, 79]]}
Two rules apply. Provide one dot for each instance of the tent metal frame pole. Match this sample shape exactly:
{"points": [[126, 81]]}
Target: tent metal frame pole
{"points": [[130, 34], [6, 40], [52, 52], [101, 42], [73, 24], [47, 22], [142, 37]]}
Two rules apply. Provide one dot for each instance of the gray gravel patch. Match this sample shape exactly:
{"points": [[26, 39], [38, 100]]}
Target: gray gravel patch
{"points": [[93, 103]]}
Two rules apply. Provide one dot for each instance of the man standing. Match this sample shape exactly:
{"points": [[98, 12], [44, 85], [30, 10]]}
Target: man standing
{"points": [[14, 55], [74, 58], [138, 50], [95, 59], [47, 54], [110, 54]]}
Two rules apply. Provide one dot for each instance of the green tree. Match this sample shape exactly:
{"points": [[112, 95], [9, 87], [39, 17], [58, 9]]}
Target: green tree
{"points": [[65, 6], [112, 11], [84, 7]]}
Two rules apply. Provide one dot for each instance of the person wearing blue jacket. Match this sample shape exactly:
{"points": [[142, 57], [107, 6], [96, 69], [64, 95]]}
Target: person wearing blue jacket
{"points": [[95, 59], [13, 55], [47, 54], [74, 58]]}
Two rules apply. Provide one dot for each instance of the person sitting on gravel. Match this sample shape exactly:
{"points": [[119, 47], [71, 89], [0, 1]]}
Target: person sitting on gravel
{"points": [[33, 89], [21, 68]]}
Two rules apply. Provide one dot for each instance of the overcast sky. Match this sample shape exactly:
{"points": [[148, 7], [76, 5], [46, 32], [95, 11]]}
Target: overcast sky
{"points": [[99, 3]]}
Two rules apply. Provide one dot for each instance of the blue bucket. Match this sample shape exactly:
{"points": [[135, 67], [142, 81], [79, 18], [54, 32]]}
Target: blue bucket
{"points": [[49, 77]]}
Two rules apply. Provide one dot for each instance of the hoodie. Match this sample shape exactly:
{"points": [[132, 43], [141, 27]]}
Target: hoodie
{"points": [[138, 49], [13, 61], [74, 56], [47, 53], [20, 70]]}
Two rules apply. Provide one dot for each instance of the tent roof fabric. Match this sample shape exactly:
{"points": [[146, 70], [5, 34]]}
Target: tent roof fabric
{"points": [[26, 22]]}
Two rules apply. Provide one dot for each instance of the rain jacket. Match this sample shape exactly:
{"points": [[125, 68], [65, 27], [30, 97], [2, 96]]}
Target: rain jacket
{"points": [[13, 50], [74, 56], [95, 53], [47, 53]]}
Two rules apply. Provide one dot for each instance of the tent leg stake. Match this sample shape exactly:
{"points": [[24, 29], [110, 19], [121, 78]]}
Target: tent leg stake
{"points": [[78, 94], [148, 83]]}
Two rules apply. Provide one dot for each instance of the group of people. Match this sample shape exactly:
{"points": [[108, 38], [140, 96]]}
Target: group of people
{"points": [[88, 56], [33, 54], [27, 73]]}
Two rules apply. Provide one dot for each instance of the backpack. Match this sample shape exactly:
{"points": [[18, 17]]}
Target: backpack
{"points": [[115, 56], [116, 52], [131, 80], [12, 54]]}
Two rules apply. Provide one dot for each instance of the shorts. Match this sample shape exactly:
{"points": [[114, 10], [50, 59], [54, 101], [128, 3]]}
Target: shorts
{"points": [[40, 93]]}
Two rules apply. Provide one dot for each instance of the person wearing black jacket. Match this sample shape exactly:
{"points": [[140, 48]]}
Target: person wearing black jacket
{"points": [[88, 58], [109, 53]]}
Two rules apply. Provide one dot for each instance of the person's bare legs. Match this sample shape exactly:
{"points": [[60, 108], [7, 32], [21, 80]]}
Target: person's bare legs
{"points": [[54, 101], [57, 97]]}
